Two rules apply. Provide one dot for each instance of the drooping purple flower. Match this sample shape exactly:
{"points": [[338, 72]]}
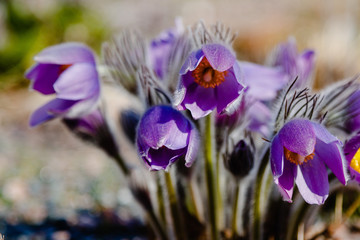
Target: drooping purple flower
{"points": [[352, 154], [294, 64], [299, 152], [94, 128], [165, 135], [209, 79], [69, 71]]}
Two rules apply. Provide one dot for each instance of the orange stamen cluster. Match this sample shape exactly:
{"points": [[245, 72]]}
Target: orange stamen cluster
{"points": [[63, 68], [297, 158], [206, 76]]}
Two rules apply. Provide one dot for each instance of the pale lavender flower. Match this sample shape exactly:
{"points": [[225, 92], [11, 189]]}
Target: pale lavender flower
{"points": [[209, 79], [69, 71], [294, 64], [300, 152], [164, 135]]}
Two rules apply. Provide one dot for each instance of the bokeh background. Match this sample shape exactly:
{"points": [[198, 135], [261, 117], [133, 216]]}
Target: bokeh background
{"points": [[47, 172]]}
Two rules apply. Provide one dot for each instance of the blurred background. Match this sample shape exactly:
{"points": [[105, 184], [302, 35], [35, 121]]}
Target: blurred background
{"points": [[47, 172]]}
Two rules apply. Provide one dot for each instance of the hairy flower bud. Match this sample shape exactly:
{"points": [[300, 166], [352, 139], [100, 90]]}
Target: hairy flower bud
{"points": [[241, 160]]}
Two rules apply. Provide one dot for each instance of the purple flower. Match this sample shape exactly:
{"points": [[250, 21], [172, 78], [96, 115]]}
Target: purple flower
{"points": [[69, 71], [295, 65], [94, 128], [300, 151], [209, 79], [352, 153], [165, 135], [161, 47]]}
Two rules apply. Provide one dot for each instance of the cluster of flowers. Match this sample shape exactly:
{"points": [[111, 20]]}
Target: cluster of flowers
{"points": [[190, 80]]}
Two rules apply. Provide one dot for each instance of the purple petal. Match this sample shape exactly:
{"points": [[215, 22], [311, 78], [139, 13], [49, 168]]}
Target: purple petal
{"points": [[199, 100], [219, 57], [43, 76], [298, 136], [77, 82], [168, 128], [277, 157], [286, 181], [46, 112], [83, 107], [305, 64], [312, 181], [66, 53], [163, 157], [263, 82], [193, 147], [260, 117], [323, 134], [331, 154], [192, 62], [228, 91], [351, 147]]}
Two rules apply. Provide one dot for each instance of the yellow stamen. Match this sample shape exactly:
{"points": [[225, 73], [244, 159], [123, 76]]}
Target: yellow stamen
{"points": [[206, 76], [355, 162], [297, 158]]}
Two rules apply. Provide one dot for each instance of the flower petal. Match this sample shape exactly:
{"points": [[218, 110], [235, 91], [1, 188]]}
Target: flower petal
{"points": [[298, 136], [286, 181], [263, 82], [192, 61], [331, 154], [46, 112], [199, 100], [163, 157], [323, 134], [277, 157], [228, 91], [219, 57], [312, 181], [66, 53], [43, 76], [79, 81]]}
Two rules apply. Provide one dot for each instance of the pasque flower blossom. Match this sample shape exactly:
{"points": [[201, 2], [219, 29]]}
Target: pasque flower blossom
{"points": [[294, 64], [352, 153], [300, 152], [165, 135], [69, 71], [209, 79]]}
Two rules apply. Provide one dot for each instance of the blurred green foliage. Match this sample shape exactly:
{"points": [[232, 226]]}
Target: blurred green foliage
{"points": [[27, 33]]}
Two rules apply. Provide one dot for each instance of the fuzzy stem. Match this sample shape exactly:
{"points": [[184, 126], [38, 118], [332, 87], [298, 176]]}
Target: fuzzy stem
{"points": [[174, 208], [194, 201], [257, 215], [160, 198], [350, 211], [220, 207], [235, 208], [209, 174]]}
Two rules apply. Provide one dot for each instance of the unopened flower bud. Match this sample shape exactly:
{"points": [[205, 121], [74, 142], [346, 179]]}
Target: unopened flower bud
{"points": [[241, 160]]}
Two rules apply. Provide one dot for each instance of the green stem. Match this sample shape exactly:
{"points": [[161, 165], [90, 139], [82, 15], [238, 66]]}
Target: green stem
{"points": [[220, 208], [160, 198], [209, 174], [235, 208], [194, 201], [352, 208], [174, 208], [256, 229]]}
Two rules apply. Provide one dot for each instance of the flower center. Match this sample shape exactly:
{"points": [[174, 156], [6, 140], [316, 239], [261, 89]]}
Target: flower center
{"points": [[297, 158], [355, 162], [63, 68], [206, 76]]}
